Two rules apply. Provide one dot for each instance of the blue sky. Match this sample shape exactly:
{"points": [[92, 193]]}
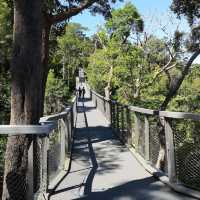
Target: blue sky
{"points": [[156, 14]]}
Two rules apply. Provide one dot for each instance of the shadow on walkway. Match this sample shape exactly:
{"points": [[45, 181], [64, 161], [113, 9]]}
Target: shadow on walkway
{"points": [[99, 156]]}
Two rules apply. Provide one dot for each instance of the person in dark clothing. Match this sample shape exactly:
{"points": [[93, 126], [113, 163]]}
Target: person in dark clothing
{"points": [[79, 92], [83, 92]]}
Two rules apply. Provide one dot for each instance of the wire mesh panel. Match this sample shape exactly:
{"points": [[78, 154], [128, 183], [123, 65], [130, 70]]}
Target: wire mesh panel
{"points": [[94, 99], [100, 104], [133, 133], [37, 149], [68, 136], [187, 151], [74, 113], [127, 126], [54, 152], [40, 164], [124, 119], [108, 110], [157, 144], [140, 134], [154, 139]]}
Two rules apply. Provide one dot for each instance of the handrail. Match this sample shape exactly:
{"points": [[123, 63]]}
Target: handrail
{"points": [[180, 115], [15, 130], [143, 110], [46, 126], [158, 140], [55, 117], [167, 114], [53, 134]]}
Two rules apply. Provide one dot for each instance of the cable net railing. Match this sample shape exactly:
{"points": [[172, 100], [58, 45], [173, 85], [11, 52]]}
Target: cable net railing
{"points": [[167, 141], [50, 150]]}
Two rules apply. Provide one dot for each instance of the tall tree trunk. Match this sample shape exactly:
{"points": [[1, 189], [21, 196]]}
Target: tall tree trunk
{"points": [[25, 93], [45, 58], [173, 89]]}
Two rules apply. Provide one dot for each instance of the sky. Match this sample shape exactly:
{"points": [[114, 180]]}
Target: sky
{"points": [[155, 13]]}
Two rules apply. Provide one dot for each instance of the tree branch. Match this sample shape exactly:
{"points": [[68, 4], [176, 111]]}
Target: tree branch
{"points": [[71, 12], [174, 87]]}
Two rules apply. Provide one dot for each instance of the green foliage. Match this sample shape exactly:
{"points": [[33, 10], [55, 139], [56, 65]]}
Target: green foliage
{"points": [[124, 21], [57, 94], [5, 54], [4, 97], [191, 9], [134, 67], [5, 33], [73, 50], [188, 96]]}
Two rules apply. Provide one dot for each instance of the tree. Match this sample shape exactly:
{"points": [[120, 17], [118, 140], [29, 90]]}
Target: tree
{"points": [[113, 39], [73, 50], [124, 22], [25, 88], [190, 9], [33, 21]]}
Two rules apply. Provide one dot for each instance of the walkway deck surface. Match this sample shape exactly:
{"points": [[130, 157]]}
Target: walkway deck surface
{"points": [[103, 169]]}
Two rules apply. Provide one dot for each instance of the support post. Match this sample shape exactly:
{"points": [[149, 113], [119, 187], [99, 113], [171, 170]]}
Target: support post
{"points": [[30, 179], [129, 127], [45, 147], [109, 103], [147, 141], [122, 123], [137, 131], [170, 151], [62, 140], [117, 123]]}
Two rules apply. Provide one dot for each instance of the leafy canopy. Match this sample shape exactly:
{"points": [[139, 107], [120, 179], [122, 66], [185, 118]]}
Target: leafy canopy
{"points": [[124, 22]]}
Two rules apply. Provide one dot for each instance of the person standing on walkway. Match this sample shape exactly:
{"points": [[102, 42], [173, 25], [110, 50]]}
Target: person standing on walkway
{"points": [[83, 92], [79, 92]]}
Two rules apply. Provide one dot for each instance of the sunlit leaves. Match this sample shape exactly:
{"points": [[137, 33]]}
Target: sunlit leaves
{"points": [[124, 22]]}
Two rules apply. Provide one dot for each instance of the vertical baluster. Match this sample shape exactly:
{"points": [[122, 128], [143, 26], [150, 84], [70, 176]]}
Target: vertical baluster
{"points": [[147, 140], [109, 110], [62, 141], [122, 124], [117, 116], [129, 127], [170, 151], [30, 174], [137, 131], [113, 115], [44, 170], [104, 109]]}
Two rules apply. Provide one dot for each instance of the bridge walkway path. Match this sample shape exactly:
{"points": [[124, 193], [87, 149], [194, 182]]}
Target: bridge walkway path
{"points": [[104, 169]]}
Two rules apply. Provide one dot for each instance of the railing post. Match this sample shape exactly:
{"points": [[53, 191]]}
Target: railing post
{"points": [[147, 139], [113, 118], [137, 131], [62, 140], [90, 94], [129, 127], [109, 113], [44, 161], [122, 123], [30, 175], [117, 117], [170, 151]]}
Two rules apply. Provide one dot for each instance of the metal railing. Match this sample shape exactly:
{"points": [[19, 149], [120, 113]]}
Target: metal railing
{"points": [[50, 151], [169, 141]]}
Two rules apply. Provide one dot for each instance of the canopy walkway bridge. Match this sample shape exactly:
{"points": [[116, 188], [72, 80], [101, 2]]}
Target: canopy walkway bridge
{"points": [[100, 149]]}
